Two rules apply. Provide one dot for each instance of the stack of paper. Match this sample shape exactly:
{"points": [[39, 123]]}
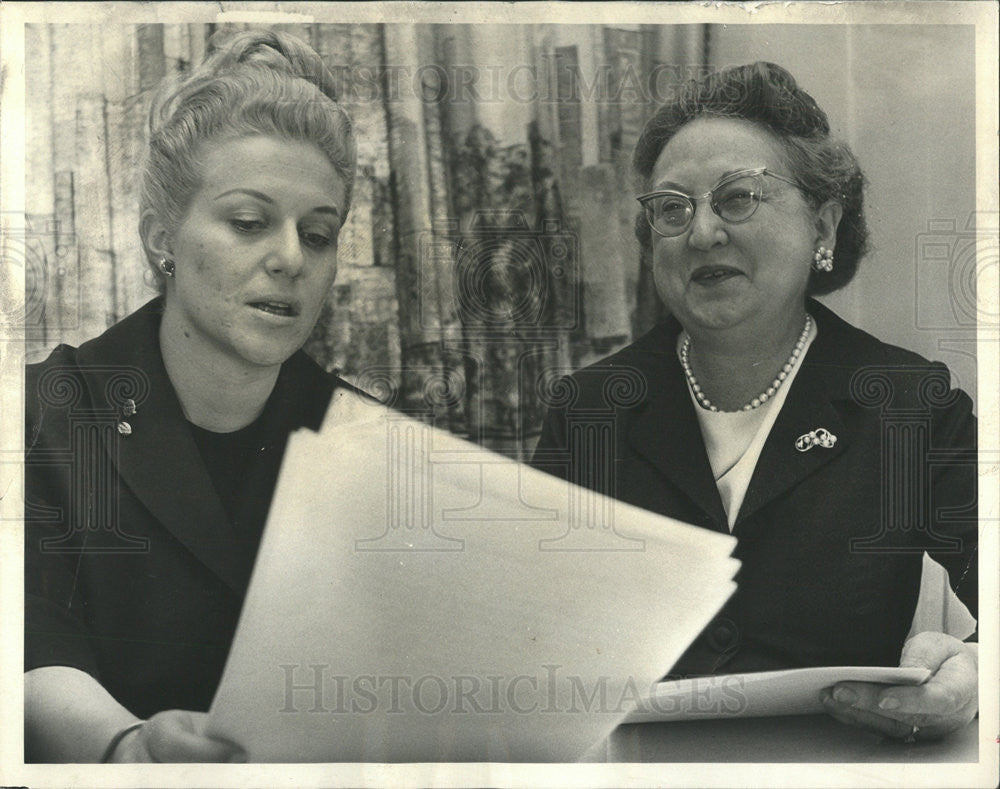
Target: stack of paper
{"points": [[417, 598]]}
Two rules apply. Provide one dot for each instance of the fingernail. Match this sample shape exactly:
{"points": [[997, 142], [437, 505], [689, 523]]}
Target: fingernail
{"points": [[888, 703], [845, 695]]}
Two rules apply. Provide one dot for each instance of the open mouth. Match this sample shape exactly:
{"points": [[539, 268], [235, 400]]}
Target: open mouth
{"points": [[709, 275], [282, 308]]}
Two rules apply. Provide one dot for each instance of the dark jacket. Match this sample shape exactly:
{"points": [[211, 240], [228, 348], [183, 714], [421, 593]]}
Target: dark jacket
{"points": [[830, 539], [134, 572]]}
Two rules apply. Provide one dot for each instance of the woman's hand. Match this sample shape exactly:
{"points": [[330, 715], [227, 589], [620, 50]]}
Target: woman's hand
{"points": [[946, 702], [175, 736]]}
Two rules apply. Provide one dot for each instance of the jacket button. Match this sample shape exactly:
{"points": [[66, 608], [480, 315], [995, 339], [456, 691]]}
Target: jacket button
{"points": [[723, 635]]}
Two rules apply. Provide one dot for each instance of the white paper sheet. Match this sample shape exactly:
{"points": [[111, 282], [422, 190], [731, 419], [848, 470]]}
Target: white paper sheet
{"points": [[417, 598], [791, 692]]}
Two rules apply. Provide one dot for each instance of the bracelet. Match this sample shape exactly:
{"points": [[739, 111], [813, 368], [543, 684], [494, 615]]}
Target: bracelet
{"points": [[110, 750]]}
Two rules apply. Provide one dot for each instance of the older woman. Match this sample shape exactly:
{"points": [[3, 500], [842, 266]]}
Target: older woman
{"points": [[767, 416], [139, 550]]}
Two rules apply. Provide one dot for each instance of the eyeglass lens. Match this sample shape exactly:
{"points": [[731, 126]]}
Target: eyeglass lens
{"points": [[734, 201]]}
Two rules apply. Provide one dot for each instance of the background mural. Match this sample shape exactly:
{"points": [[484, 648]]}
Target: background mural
{"points": [[490, 247]]}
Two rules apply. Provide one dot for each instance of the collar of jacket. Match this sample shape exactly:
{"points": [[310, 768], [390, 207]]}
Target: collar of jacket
{"points": [[815, 399], [159, 460]]}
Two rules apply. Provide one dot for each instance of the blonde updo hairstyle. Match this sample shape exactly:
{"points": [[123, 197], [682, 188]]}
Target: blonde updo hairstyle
{"points": [[251, 83]]}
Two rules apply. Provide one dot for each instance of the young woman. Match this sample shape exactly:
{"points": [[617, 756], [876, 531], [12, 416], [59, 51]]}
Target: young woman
{"points": [[139, 552]]}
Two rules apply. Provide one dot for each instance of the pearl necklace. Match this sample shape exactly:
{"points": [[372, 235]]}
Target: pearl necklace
{"points": [[764, 396]]}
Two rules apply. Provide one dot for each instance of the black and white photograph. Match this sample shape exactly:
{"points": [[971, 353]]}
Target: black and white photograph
{"points": [[499, 394]]}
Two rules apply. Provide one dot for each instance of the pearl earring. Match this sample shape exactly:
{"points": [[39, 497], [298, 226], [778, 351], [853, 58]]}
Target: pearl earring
{"points": [[823, 260]]}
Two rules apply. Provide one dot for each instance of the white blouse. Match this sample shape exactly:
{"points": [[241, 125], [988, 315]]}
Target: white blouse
{"points": [[734, 439]]}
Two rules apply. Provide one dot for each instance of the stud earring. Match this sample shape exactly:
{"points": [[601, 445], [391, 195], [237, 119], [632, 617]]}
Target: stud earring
{"points": [[167, 267], [823, 260]]}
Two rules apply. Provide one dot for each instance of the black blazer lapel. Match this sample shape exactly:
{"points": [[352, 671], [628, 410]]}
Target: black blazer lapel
{"points": [[665, 429], [781, 466], [822, 381], [300, 398], [159, 460]]}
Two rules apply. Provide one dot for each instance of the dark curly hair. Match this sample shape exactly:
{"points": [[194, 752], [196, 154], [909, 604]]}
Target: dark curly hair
{"points": [[768, 95]]}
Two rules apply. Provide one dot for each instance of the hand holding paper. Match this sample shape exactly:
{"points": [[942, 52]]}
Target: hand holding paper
{"points": [[759, 694], [946, 702]]}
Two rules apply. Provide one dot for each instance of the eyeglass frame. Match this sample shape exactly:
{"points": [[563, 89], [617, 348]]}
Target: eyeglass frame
{"points": [[693, 199]]}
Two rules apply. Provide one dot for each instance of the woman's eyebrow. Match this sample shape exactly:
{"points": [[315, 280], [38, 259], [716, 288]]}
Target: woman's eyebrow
{"points": [[321, 209], [671, 186], [674, 186], [735, 170], [327, 209], [251, 192]]}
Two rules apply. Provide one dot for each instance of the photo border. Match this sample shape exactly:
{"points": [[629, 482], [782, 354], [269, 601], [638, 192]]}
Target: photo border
{"points": [[984, 15]]}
